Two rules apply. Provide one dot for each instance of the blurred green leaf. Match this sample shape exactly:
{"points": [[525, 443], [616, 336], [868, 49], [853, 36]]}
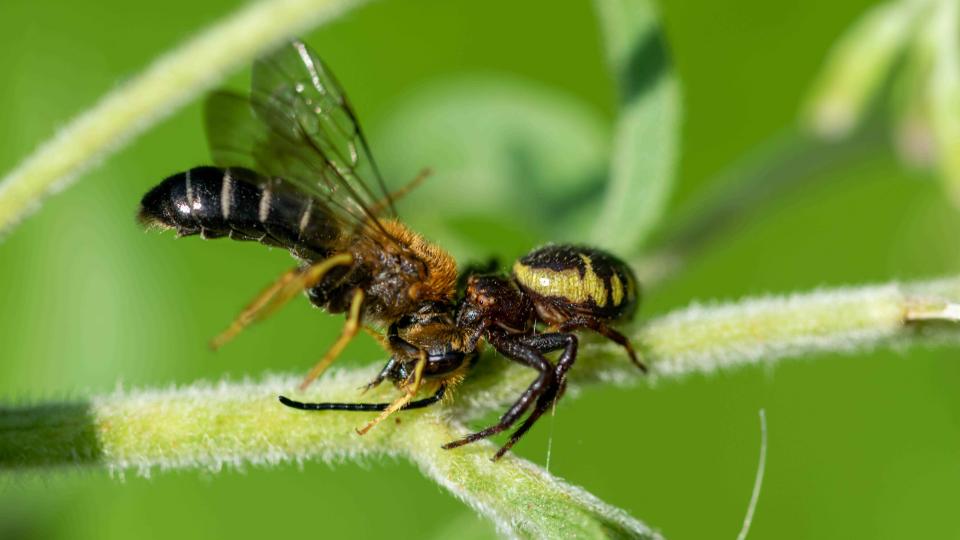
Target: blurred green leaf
{"points": [[945, 94], [858, 66], [646, 137], [505, 154], [914, 46], [913, 124]]}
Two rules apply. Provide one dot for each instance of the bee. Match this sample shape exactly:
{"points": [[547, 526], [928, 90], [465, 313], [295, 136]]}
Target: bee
{"points": [[293, 169]]}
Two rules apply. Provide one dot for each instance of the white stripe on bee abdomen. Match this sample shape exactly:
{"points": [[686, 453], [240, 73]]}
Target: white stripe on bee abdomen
{"points": [[226, 194], [305, 217], [264, 210]]}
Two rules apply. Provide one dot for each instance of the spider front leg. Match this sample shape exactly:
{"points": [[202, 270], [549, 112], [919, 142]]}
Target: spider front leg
{"points": [[546, 343], [607, 332], [528, 350]]}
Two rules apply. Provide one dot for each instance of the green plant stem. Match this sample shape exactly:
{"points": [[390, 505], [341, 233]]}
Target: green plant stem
{"points": [[520, 497], [703, 338], [168, 83], [207, 426]]}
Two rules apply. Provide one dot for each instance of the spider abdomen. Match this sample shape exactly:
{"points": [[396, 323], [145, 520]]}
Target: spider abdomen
{"points": [[566, 280]]}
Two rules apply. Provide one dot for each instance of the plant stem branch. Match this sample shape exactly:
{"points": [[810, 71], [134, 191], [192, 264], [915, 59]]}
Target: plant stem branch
{"points": [[703, 338], [205, 426], [520, 497]]}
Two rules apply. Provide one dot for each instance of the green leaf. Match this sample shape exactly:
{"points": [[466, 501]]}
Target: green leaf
{"points": [[945, 95], [911, 103], [510, 161], [858, 66], [646, 136]]}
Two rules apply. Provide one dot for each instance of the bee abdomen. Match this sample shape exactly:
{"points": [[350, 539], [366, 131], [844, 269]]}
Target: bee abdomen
{"points": [[240, 204]]}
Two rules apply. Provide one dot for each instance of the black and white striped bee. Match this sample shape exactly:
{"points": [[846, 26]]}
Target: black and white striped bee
{"points": [[293, 170]]}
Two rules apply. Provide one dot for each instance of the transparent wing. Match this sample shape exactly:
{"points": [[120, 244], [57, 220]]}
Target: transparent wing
{"points": [[297, 125]]}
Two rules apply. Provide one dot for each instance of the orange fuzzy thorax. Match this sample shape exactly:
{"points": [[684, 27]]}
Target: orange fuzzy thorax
{"points": [[440, 283]]}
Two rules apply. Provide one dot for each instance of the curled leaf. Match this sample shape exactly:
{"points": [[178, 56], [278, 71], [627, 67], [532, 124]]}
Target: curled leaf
{"points": [[858, 66], [945, 94], [646, 135]]}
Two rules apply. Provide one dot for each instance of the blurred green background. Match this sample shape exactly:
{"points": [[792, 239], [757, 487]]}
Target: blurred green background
{"points": [[486, 93]]}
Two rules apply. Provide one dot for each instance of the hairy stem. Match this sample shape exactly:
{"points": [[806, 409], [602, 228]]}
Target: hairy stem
{"points": [[142, 101], [520, 497], [207, 426], [703, 338]]}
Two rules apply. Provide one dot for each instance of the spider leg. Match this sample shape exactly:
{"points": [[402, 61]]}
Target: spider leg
{"points": [[545, 343], [607, 332], [515, 349]]}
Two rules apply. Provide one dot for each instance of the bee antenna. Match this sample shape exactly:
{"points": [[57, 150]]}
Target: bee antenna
{"points": [[362, 407]]}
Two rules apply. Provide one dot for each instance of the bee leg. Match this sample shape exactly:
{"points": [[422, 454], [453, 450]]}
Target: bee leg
{"points": [[382, 376], [394, 344], [249, 313], [350, 329], [278, 294], [515, 349], [387, 201], [609, 333], [410, 390]]}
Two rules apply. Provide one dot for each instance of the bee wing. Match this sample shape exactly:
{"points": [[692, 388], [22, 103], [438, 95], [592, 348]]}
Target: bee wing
{"points": [[298, 126]]}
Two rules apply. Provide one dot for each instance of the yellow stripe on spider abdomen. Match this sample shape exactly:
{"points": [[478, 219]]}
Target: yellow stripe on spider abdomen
{"points": [[616, 289], [568, 283]]}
